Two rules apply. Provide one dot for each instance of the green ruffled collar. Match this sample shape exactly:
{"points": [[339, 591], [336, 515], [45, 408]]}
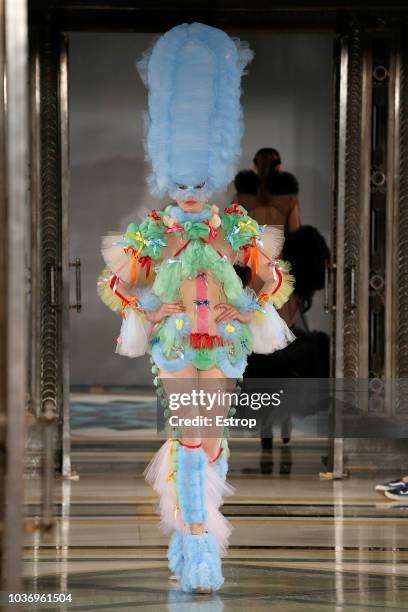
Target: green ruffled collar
{"points": [[149, 238]]}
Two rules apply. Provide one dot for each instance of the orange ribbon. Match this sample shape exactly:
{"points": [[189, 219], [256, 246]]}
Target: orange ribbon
{"points": [[134, 263], [262, 298], [131, 302], [254, 259], [251, 253]]}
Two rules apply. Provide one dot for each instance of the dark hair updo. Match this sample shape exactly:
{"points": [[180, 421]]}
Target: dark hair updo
{"points": [[246, 181], [265, 160]]}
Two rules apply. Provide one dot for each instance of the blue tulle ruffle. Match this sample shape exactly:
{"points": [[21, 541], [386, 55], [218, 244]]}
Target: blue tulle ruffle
{"points": [[230, 370], [147, 300], [195, 70], [202, 564], [178, 325], [190, 484], [175, 553], [248, 301], [183, 215]]}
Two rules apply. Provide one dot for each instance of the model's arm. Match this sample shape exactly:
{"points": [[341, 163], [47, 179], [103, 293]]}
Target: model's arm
{"points": [[276, 288], [126, 284]]}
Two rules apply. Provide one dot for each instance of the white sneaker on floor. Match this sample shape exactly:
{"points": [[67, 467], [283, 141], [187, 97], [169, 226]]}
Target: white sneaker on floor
{"points": [[398, 493], [382, 488]]}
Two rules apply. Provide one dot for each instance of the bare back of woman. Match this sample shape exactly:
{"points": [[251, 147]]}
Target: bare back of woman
{"points": [[277, 204], [280, 209]]}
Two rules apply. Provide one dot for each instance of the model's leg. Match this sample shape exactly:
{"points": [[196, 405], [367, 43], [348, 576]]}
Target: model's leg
{"points": [[200, 566], [185, 382], [181, 381], [215, 447], [214, 382]]}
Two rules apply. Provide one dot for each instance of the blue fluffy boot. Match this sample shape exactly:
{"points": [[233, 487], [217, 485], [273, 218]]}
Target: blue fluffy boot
{"points": [[202, 564], [175, 554]]}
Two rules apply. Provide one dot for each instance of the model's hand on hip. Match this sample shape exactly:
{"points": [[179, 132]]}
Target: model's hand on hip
{"points": [[165, 310], [227, 311]]}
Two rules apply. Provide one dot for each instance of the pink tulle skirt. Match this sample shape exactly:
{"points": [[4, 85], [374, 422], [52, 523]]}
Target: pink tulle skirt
{"points": [[157, 475]]}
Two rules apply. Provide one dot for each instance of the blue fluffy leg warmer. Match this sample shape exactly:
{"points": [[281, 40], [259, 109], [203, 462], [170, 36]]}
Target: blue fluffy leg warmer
{"points": [[190, 484], [200, 562], [202, 566], [175, 554]]}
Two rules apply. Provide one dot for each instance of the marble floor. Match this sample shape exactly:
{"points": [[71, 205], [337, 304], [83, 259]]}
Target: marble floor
{"points": [[299, 542]]}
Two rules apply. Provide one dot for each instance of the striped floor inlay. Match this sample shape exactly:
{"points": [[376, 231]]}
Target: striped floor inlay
{"points": [[299, 543]]}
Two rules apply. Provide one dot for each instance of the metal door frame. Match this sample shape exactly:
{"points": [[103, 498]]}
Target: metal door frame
{"points": [[355, 187], [14, 237], [47, 20], [350, 335]]}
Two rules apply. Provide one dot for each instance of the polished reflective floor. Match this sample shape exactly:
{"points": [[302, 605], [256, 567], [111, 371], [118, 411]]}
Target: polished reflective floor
{"points": [[299, 542]]}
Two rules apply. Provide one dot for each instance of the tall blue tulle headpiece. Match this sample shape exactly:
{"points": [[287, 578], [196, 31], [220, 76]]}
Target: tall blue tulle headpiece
{"points": [[194, 122]]}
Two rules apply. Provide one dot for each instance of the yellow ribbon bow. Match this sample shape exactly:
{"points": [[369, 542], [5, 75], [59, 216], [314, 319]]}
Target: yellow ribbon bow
{"points": [[138, 237], [246, 224]]}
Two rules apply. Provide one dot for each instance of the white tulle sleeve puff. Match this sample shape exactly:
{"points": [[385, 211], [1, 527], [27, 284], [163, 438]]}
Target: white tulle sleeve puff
{"points": [[117, 290]]}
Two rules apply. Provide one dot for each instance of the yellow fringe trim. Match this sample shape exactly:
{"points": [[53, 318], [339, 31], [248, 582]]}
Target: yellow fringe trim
{"points": [[106, 294], [284, 292]]}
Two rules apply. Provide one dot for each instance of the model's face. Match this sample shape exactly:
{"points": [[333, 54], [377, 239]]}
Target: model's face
{"points": [[190, 198], [191, 204]]}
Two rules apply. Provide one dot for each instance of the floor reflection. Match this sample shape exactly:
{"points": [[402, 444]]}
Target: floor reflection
{"points": [[299, 543]]}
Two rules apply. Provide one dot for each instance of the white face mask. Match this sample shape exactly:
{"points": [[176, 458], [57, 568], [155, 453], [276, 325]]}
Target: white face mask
{"points": [[181, 192]]}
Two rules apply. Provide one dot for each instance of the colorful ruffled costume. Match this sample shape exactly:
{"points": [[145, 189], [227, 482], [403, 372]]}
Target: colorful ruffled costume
{"points": [[193, 132]]}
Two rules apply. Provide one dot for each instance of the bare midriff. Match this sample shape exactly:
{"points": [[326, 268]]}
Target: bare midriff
{"points": [[202, 293], [199, 296]]}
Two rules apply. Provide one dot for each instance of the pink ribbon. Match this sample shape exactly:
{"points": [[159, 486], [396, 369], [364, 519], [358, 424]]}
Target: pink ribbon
{"points": [[155, 326], [202, 309]]}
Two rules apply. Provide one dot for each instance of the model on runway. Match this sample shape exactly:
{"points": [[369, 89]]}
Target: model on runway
{"points": [[172, 279]]}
